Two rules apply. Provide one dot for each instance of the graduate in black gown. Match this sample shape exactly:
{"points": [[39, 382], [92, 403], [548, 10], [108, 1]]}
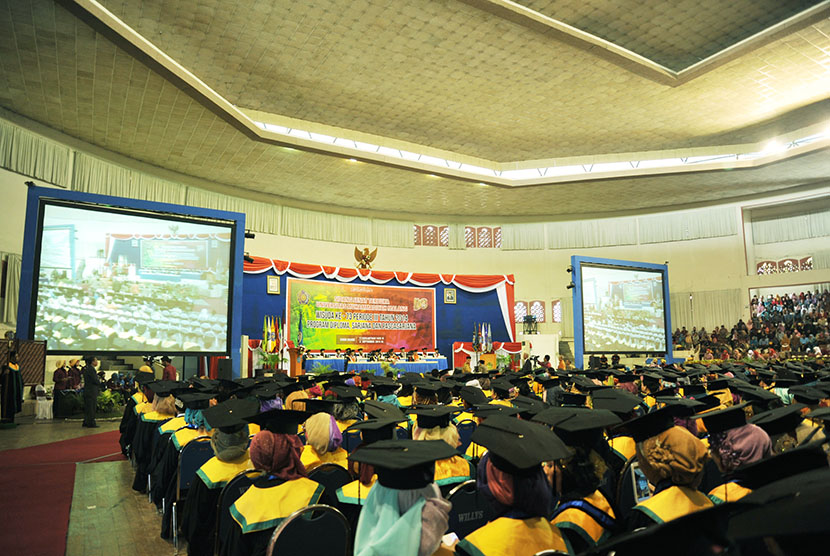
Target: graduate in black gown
{"points": [[163, 410], [11, 389], [129, 420], [284, 489], [230, 444]]}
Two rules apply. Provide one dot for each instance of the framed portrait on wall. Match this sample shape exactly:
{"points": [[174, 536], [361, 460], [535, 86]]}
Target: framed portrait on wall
{"points": [[449, 295], [274, 285]]}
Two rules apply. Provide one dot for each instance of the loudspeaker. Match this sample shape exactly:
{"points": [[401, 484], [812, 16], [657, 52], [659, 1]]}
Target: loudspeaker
{"points": [[225, 369]]}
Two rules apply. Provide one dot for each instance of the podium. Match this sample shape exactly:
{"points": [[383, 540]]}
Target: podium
{"points": [[295, 362]]}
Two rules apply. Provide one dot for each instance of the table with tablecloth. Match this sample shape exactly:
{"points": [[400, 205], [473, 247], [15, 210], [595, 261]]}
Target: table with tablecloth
{"points": [[339, 365]]}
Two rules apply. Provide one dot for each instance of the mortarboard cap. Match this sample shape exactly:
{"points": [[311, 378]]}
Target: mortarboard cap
{"points": [[284, 421], [573, 400], [725, 419], [529, 406], [584, 426], [618, 401], [430, 416], [781, 466], [779, 420], [404, 464], [650, 424], [231, 415], [193, 398], [381, 410], [472, 395], [488, 410], [517, 446], [144, 378], [553, 416], [718, 384], [373, 430], [313, 406], [164, 388], [346, 392], [807, 394]]}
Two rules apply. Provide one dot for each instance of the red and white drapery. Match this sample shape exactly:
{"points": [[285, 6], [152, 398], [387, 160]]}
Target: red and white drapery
{"points": [[460, 350], [503, 284]]}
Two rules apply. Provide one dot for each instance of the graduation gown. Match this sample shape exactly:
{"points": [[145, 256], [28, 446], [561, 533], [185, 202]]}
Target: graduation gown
{"points": [[129, 422], [585, 523], [729, 491], [623, 446], [164, 476], [262, 508], [311, 459], [667, 504], [11, 390], [200, 504], [452, 471], [142, 445], [511, 536]]}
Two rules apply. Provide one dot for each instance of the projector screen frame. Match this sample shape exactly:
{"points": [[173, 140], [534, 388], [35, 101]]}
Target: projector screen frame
{"points": [[577, 261], [40, 197]]}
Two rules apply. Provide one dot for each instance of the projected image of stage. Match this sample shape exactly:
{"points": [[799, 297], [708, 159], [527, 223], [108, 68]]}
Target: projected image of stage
{"points": [[623, 310], [121, 282]]}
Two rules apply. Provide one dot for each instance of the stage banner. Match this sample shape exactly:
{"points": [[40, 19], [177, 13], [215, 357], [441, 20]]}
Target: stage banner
{"points": [[330, 315]]}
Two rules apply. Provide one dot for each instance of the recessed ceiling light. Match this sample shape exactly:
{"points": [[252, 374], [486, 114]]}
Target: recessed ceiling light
{"points": [[432, 175], [352, 160]]}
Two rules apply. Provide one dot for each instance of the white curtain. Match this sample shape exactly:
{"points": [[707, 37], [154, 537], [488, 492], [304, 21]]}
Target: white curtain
{"points": [[592, 233], [13, 264], [393, 233], [522, 236], [567, 316], [821, 259], [790, 228], [93, 175], [457, 238], [707, 308], [682, 226], [325, 226], [259, 217], [29, 154]]}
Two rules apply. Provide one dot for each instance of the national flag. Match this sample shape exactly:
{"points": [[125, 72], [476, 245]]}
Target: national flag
{"points": [[300, 330]]}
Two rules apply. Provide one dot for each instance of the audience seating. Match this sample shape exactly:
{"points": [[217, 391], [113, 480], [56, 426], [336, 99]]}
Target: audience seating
{"points": [[300, 533], [195, 454], [235, 488], [332, 477], [351, 440], [465, 434], [470, 510]]}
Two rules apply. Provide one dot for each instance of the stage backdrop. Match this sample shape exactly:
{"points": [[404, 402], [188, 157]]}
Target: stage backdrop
{"points": [[478, 299], [333, 315]]}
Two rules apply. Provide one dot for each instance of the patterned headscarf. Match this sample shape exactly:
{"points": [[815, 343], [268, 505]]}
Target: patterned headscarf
{"points": [[740, 446], [278, 455], [675, 455]]}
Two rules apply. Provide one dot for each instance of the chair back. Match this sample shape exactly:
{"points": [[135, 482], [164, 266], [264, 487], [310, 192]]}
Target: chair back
{"points": [[331, 476], [625, 492], [401, 433], [465, 434], [299, 533], [351, 440], [470, 510], [229, 494], [193, 456]]}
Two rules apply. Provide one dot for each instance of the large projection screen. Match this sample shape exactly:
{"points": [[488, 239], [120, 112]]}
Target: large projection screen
{"points": [[132, 282], [620, 307]]}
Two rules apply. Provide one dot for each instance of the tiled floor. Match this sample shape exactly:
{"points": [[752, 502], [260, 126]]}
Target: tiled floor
{"points": [[107, 517]]}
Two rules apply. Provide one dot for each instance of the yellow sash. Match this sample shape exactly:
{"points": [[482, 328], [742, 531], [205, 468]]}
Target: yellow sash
{"points": [[502, 402], [488, 393], [312, 459], [624, 446], [650, 401], [216, 473], [452, 470], [172, 425], [263, 508], [343, 425], [584, 525], [139, 397], [674, 502], [728, 492], [183, 437], [514, 537], [475, 451], [354, 492], [405, 401], [465, 416], [253, 428], [141, 408], [151, 416]]}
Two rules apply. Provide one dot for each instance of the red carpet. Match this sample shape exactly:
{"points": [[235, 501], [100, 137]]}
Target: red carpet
{"points": [[36, 486]]}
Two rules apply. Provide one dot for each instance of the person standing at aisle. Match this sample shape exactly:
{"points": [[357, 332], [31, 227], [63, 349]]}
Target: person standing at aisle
{"points": [[92, 386], [169, 372], [11, 390]]}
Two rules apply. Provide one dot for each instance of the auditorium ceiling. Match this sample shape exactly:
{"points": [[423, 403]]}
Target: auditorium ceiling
{"points": [[490, 83]]}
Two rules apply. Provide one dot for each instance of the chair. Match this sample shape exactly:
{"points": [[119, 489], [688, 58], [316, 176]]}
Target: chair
{"points": [[351, 440], [470, 510], [332, 477], [230, 493], [401, 433], [625, 493], [299, 533], [465, 434], [44, 405], [193, 456]]}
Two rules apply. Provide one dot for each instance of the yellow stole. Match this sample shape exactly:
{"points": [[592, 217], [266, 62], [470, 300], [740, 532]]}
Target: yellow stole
{"points": [[263, 508], [488, 393], [452, 470], [154, 416], [253, 428], [475, 451], [728, 492], [216, 473], [623, 446], [405, 401], [172, 425], [674, 502], [139, 398], [141, 408], [650, 401], [183, 437], [514, 537], [354, 493], [343, 425], [582, 523], [312, 459], [502, 402]]}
